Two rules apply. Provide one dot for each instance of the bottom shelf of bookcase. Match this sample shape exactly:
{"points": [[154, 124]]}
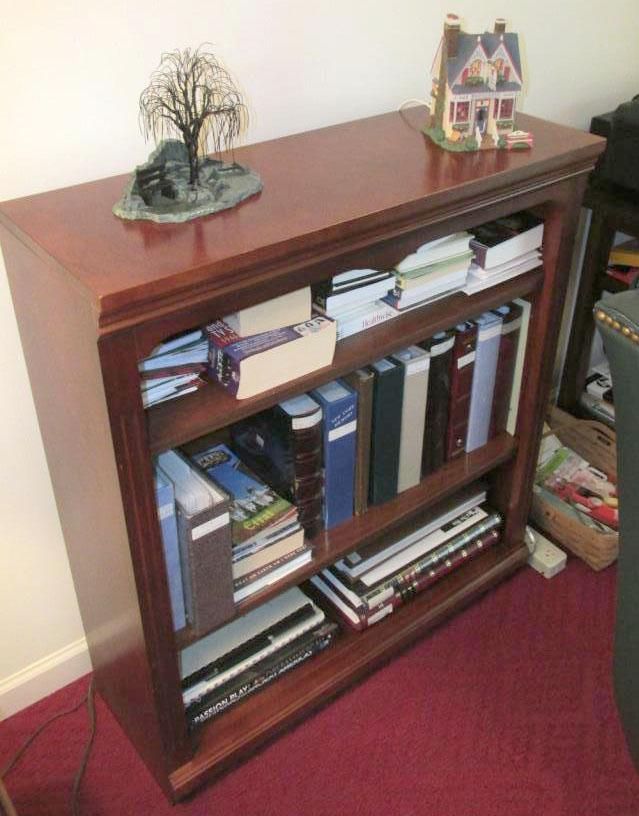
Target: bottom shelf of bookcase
{"points": [[240, 730]]}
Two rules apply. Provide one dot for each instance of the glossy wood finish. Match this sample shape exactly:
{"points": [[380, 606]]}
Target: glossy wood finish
{"points": [[324, 192], [177, 421], [363, 193]]}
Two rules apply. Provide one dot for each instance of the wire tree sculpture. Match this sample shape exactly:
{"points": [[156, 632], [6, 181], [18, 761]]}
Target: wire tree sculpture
{"points": [[192, 95]]}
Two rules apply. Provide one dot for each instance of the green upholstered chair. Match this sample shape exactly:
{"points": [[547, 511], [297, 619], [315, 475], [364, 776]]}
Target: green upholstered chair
{"points": [[617, 318]]}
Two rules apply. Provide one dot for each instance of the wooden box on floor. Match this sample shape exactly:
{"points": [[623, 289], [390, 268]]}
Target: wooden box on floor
{"points": [[94, 294], [597, 444]]}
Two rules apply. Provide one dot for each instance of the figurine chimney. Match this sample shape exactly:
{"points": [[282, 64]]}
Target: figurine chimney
{"points": [[500, 25], [451, 35]]}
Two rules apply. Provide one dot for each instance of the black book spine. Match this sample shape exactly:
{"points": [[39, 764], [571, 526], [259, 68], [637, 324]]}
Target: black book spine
{"points": [[437, 401], [388, 389]]}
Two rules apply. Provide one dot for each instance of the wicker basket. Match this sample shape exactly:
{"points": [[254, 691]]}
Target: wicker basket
{"points": [[597, 444]]}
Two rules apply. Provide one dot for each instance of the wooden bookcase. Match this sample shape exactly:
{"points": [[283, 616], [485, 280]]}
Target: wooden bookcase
{"points": [[94, 294]]}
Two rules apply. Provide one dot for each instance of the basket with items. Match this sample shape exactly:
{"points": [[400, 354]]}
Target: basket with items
{"points": [[575, 494]]}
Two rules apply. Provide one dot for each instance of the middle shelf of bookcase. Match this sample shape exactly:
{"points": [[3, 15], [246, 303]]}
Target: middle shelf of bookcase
{"points": [[178, 421], [378, 520]]}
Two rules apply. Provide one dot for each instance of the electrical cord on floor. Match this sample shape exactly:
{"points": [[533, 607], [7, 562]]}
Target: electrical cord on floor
{"points": [[89, 701]]}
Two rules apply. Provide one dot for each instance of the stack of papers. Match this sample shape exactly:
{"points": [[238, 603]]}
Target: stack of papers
{"points": [[174, 368]]}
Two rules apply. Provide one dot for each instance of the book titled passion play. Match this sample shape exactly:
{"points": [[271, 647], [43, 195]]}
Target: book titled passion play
{"points": [[247, 366]]}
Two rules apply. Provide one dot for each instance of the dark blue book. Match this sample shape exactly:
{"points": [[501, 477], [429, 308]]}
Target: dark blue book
{"points": [[339, 406], [165, 498]]}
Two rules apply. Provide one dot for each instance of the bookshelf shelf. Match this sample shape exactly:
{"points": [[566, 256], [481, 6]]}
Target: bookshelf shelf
{"points": [[115, 289], [177, 421], [385, 518], [353, 654]]}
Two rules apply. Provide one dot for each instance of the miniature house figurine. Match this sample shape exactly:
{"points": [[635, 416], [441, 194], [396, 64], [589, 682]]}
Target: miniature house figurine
{"points": [[475, 82]]}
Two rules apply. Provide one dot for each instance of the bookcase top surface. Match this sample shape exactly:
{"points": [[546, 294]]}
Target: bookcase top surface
{"points": [[323, 189]]}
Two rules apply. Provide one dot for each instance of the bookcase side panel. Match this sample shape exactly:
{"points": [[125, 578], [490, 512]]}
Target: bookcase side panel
{"points": [[58, 332], [513, 492]]}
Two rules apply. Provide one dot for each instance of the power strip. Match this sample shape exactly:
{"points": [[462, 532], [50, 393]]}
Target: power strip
{"points": [[546, 558]]}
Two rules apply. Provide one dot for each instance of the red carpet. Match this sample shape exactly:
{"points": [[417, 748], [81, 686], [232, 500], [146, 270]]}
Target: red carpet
{"points": [[505, 711]]}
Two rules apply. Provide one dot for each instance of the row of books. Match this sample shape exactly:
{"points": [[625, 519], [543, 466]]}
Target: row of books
{"points": [[370, 583], [249, 510], [266, 345], [623, 262], [493, 253], [221, 526], [222, 669]]}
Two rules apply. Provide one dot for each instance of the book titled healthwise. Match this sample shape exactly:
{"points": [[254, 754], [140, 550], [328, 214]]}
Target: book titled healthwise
{"points": [[247, 366]]}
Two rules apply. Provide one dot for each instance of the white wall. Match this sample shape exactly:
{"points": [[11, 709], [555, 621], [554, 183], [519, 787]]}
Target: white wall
{"points": [[71, 75]]}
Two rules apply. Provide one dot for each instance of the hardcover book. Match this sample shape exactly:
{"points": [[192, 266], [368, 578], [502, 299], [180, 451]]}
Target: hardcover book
{"points": [[388, 388], [415, 364], [358, 616], [202, 512], [339, 406], [461, 381], [250, 365], [481, 399], [262, 673], [361, 381], [165, 499], [283, 445], [510, 327], [440, 347]]}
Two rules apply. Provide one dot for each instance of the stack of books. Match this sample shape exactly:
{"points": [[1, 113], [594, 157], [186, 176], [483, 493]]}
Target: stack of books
{"points": [[266, 535], [623, 263], [372, 582], [438, 268], [226, 667], [503, 249], [174, 368], [352, 299]]}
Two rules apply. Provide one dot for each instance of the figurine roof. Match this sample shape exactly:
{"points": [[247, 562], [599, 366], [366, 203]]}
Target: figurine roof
{"points": [[467, 43]]}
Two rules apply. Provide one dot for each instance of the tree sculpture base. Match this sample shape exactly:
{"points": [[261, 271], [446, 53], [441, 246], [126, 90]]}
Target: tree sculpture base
{"points": [[160, 191]]}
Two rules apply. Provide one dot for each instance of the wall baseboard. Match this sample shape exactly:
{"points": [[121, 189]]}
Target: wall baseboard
{"points": [[43, 677]]}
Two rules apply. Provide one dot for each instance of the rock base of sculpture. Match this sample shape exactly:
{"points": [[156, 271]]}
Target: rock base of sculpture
{"points": [[159, 190]]}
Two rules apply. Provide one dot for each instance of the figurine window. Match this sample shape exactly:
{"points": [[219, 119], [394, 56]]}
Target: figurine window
{"points": [[475, 68], [462, 112], [499, 67], [506, 109]]}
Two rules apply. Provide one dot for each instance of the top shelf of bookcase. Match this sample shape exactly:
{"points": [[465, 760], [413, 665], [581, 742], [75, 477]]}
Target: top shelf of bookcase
{"points": [[320, 198], [181, 420]]}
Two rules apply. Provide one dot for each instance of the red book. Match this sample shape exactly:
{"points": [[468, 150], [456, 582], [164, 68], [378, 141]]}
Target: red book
{"points": [[461, 381], [511, 323]]}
